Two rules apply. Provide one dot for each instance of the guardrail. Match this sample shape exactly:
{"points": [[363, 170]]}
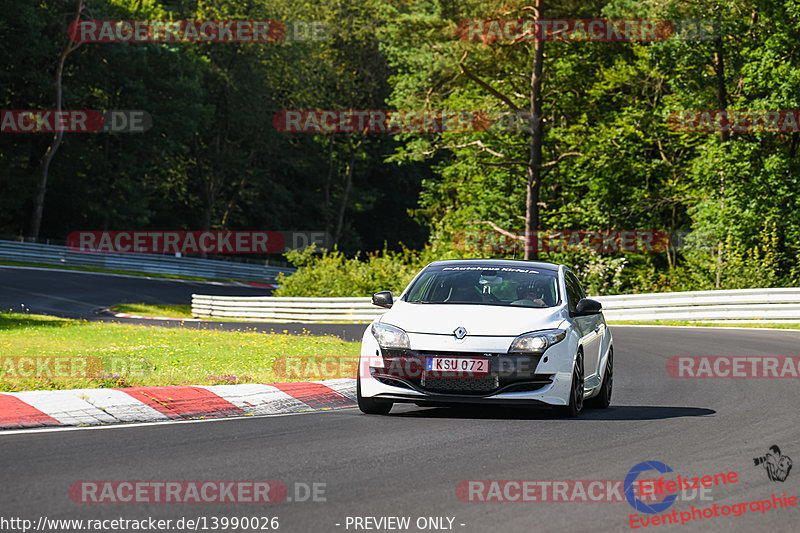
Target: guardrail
{"points": [[776, 305], [147, 263], [276, 309]]}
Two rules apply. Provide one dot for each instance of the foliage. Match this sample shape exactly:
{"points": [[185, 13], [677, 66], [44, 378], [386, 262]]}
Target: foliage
{"points": [[612, 161], [212, 158], [332, 274]]}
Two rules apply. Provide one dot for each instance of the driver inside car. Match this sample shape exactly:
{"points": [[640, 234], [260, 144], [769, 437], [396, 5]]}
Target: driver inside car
{"points": [[465, 289], [530, 296]]}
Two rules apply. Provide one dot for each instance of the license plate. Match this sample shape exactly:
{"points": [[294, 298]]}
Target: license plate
{"points": [[462, 365]]}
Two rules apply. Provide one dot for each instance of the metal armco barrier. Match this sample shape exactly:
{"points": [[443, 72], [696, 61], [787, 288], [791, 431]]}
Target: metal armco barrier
{"points": [[276, 309], [147, 263], [774, 305]]}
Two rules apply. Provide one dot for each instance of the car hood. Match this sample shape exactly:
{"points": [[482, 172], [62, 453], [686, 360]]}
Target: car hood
{"points": [[443, 319]]}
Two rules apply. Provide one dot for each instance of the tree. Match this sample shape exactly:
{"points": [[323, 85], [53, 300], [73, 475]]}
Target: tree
{"points": [[41, 189]]}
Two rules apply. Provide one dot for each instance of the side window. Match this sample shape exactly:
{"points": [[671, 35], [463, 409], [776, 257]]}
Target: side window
{"points": [[574, 291], [577, 284]]}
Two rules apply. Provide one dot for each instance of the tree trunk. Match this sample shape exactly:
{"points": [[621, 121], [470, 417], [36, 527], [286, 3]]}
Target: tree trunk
{"points": [[348, 185], [41, 187], [535, 156], [327, 193], [724, 135], [719, 71]]}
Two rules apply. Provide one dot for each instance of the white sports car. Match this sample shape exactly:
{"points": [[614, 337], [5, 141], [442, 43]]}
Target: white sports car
{"points": [[493, 332]]}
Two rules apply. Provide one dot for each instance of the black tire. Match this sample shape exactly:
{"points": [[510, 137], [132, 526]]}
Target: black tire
{"points": [[603, 398], [575, 406], [370, 406]]}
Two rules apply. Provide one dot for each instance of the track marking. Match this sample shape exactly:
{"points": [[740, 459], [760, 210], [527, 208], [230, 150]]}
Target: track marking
{"points": [[149, 424]]}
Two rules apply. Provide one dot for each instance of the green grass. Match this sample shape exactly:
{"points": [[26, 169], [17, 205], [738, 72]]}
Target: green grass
{"points": [[173, 311], [167, 311], [772, 325], [66, 354]]}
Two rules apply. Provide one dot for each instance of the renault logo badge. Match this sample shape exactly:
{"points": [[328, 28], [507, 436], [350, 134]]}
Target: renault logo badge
{"points": [[460, 333]]}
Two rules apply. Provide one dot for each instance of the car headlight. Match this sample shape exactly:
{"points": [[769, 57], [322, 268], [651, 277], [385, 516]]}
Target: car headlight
{"points": [[537, 342], [389, 336]]}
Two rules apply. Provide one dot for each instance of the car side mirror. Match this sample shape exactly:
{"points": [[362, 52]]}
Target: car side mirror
{"points": [[383, 299], [587, 307]]}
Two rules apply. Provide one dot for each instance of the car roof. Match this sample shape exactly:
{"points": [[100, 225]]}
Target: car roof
{"points": [[498, 263]]}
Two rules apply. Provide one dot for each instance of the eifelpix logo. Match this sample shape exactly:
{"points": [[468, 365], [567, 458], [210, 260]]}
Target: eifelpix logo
{"points": [[630, 481], [777, 466]]}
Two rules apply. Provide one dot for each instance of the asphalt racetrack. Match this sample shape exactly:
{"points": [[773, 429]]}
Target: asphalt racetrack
{"points": [[73, 294], [410, 463], [77, 294]]}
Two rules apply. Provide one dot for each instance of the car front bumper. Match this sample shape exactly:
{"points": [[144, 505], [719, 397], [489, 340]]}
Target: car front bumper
{"points": [[398, 375]]}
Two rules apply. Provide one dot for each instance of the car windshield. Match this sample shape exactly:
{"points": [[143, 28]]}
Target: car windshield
{"points": [[485, 285]]}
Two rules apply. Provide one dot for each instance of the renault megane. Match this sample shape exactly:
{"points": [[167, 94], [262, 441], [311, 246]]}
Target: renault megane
{"points": [[494, 332]]}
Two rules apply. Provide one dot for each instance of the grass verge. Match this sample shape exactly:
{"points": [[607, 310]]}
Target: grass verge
{"points": [[172, 311], [43, 352]]}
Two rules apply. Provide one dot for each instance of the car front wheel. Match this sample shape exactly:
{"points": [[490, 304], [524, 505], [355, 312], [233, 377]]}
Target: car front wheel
{"points": [[370, 406], [575, 405], [603, 398]]}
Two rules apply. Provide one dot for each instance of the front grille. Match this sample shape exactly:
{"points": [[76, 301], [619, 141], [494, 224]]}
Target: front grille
{"points": [[473, 385], [507, 373]]}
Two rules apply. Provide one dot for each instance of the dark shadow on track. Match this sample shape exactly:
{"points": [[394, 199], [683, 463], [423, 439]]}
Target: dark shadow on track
{"points": [[623, 412]]}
